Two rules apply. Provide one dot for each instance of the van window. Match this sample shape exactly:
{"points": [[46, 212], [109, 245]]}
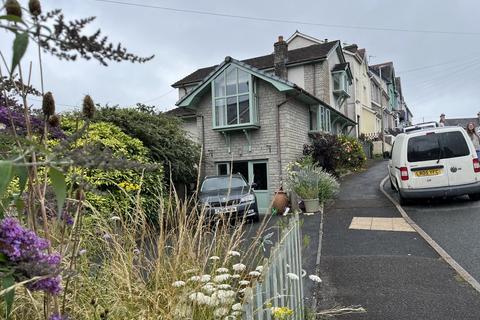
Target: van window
{"points": [[437, 146]]}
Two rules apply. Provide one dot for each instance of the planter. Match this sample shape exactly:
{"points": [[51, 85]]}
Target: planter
{"points": [[280, 201], [311, 205]]}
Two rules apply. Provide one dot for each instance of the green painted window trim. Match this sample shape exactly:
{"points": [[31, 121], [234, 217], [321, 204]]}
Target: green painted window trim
{"points": [[252, 103], [345, 90], [324, 120]]}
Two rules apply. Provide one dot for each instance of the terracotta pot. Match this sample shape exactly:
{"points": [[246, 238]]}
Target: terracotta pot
{"points": [[280, 201]]}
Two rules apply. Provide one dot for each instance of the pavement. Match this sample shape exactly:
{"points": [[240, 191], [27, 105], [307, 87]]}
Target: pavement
{"points": [[392, 274], [453, 224]]}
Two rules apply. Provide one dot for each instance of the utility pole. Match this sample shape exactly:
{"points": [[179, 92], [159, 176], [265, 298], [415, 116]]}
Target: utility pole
{"points": [[381, 108]]}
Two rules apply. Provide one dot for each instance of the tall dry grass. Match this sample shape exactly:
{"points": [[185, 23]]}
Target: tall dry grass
{"points": [[126, 269]]}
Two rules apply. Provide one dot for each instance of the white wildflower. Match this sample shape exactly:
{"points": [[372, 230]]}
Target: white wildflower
{"points": [[201, 298], [254, 274], [242, 290], [315, 278], [224, 286], [222, 270], [178, 284], [239, 267], [194, 278], [236, 313], [221, 277], [115, 218], [214, 258], [292, 276], [237, 307], [259, 269], [82, 252], [224, 296], [244, 282], [209, 288], [205, 278], [236, 276], [220, 312], [234, 253]]}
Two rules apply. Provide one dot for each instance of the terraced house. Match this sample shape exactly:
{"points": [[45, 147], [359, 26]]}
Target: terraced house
{"points": [[254, 116]]}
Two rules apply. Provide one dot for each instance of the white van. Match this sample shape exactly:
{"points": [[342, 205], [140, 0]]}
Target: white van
{"points": [[434, 162]]}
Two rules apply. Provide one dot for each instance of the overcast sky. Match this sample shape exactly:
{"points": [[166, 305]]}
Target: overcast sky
{"points": [[438, 70]]}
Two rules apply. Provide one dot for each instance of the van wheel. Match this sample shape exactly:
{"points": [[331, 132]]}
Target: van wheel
{"points": [[474, 196], [392, 186], [403, 201]]}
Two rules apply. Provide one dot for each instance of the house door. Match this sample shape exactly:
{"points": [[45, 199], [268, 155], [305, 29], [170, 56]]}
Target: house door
{"points": [[255, 171]]}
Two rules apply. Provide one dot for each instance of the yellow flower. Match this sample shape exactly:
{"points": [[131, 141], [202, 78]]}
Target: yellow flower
{"points": [[281, 313]]}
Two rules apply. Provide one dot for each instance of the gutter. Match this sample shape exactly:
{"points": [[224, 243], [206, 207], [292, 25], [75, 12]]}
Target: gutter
{"points": [[279, 146]]}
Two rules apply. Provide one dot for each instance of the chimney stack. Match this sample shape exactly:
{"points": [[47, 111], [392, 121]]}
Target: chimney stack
{"points": [[280, 58]]}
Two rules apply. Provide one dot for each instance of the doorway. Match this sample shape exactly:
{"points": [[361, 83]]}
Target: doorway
{"points": [[254, 171]]}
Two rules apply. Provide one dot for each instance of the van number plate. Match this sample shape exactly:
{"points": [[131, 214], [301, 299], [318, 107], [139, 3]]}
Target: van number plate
{"points": [[428, 173]]}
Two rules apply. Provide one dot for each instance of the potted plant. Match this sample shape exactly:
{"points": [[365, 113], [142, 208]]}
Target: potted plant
{"points": [[312, 184]]}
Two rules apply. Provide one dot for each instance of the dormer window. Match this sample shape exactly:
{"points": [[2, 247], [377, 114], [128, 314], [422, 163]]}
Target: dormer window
{"points": [[340, 83], [233, 104]]}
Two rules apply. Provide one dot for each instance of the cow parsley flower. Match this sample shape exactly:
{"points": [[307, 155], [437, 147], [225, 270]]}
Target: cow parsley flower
{"points": [[222, 277], [222, 270], [214, 258], [239, 267], [178, 284], [259, 269], [237, 307], [292, 276], [236, 276], [244, 282], [205, 278], [234, 253], [224, 286], [220, 312], [194, 278], [254, 274], [315, 278]]}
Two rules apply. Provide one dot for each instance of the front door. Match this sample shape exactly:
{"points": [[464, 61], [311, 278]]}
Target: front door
{"points": [[255, 171]]}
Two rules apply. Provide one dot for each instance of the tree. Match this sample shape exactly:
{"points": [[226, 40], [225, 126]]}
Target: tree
{"points": [[163, 135]]}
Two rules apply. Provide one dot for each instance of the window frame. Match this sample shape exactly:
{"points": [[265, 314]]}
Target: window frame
{"points": [[343, 81], [252, 101], [323, 121]]}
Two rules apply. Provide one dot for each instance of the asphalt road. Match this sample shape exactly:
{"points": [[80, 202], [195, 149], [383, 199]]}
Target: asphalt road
{"points": [[454, 224]]}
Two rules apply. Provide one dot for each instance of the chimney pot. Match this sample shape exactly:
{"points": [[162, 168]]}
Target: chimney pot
{"points": [[280, 38]]}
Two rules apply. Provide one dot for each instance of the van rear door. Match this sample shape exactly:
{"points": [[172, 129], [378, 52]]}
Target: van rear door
{"points": [[424, 158], [457, 158]]}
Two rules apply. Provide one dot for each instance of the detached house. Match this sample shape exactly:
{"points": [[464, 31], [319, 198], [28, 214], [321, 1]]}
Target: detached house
{"points": [[254, 116]]}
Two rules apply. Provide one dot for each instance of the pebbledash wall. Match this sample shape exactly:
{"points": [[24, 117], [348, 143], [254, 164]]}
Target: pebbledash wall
{"points": [[294, 127]]}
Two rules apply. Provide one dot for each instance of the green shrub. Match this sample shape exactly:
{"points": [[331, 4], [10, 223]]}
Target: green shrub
{"points": [[112, 167], [164, 137], [336, 153]]}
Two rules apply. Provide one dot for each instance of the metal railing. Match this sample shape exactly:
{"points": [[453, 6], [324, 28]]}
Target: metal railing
{"points": [[281, 283]]}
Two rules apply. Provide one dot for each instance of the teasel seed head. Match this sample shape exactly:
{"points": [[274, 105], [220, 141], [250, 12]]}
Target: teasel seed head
{"points": [[88, 107], [54, 121], [35, 7], [13, 8], [48, 104]]}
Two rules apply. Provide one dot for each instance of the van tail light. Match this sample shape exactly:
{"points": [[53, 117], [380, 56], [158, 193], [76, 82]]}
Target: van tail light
{"points": [[476, 165], [404, 173]]}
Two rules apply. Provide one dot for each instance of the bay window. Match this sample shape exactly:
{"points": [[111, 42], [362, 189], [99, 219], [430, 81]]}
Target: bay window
{"points": [[233, 103], [340, 83]]}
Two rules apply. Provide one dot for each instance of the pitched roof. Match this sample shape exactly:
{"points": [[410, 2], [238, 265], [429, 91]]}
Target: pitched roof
{"points": [[301, 55], [462, 122], [180, 112], [387, 70], [340, 66]]}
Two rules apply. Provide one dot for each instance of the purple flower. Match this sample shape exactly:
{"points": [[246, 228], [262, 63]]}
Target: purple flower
{"points": [[57, 316], [68, 219], [26, 254]]}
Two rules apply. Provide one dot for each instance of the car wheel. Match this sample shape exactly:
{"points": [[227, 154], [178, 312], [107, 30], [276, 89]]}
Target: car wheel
{"points": [[392, 185], [474, 196]]}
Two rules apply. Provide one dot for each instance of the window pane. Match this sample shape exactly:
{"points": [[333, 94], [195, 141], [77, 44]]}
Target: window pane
{"points": [[424, 148], [260, 176], [219, 112], [219, 85], [222, 168], [314, 118], [322, 117], [243, 81], [244, 108], [454, 145], [232, 116], [336, 81], [231, 80]]}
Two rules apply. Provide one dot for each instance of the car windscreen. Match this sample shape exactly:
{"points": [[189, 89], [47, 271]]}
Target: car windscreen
{"points": [[221, 183], [437, 146]]}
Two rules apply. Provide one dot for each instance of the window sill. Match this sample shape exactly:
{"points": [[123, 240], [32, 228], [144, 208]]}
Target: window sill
{"points": [[242, 126], [341, 93]]}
